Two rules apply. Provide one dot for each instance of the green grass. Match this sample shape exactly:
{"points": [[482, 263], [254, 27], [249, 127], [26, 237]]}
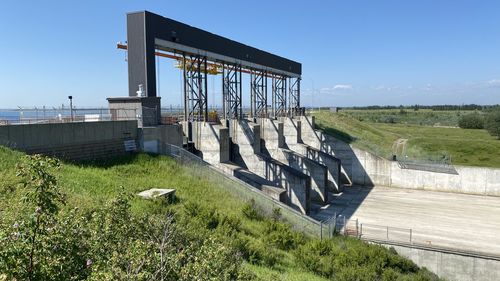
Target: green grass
{"points": [[465, 146], [91, 185], [425, 117]]}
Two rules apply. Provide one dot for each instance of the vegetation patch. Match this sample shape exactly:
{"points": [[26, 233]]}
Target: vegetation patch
{"points": [[68, 221], [471, 147]]}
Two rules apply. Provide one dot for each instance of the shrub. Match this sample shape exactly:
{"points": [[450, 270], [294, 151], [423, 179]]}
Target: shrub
{"points": [[276, 216], [389, 119], [109, 243], [209, 260], [349, 259], [281, 235], [251, 211], [256, 252], [471, 121], [492, 123]]}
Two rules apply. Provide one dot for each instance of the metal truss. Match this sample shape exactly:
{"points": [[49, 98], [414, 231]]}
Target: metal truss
{"points": [[195, 88], [294, 97], [279, 96], [231, 91], [258, 94]]}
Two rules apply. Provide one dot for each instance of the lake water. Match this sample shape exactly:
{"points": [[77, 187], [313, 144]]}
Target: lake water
{"points": [[9, 115], [16, 115]]}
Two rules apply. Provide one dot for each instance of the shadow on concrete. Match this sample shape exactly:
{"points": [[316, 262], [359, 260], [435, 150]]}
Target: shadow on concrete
{"points": [[236, 155], [357, 183], [263, 148]]}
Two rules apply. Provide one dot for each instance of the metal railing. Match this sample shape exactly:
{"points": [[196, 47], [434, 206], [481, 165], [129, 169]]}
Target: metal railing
{"points": [[63, 114], [41, 115], [436, 165], [350, 227], [389, 235]]}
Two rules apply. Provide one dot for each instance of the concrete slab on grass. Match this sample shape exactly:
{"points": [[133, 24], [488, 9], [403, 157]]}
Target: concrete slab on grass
{"points": [[157, 192]]}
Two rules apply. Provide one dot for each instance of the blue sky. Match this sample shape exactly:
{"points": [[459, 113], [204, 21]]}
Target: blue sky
{"points": [[352, 52]]}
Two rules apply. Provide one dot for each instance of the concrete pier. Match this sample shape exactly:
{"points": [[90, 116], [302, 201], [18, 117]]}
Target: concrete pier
{"points": [[294, 141], [245, 137], [273, 133]]}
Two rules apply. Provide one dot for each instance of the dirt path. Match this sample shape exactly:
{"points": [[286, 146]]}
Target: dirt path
{"points": [[398, 147]]}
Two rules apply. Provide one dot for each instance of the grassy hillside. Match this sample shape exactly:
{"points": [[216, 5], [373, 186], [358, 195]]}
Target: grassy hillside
{"points": [[465, 146], [268, 248], [424, 117]]}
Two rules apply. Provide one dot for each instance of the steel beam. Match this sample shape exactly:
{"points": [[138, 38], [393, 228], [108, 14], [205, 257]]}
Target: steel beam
{"points": [[294, 97], [195, 88], [231, 91], [258, 94], [279, 96]]}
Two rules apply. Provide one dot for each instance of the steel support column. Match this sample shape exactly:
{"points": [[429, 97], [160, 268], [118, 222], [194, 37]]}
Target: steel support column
{"points": [[195, 88], [294, 97], [258, 94], [279, 96], [231, 92]]}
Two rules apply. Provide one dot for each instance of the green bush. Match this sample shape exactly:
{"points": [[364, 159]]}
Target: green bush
{"points": [[492, 123], [471, 121], [251, 211], [258, 252], [282, 236], [350, 259], [108, 243]]}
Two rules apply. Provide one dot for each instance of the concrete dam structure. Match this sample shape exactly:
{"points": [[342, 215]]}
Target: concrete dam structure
{"points": [[273, 149], [263, 155]]}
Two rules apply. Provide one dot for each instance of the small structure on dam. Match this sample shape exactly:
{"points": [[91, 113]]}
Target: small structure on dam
{"points": [[263, 147]]}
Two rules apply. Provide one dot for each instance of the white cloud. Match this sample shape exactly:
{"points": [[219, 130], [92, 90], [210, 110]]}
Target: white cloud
{"points": [[494, 82], [337, 90], [385, 88], [342, 87]]}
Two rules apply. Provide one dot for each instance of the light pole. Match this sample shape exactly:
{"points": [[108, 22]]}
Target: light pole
{"points": [[71, 107]]}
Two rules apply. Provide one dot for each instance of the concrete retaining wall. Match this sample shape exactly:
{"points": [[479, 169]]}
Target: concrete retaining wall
{"points": [[364, 168], [155, 139], [452, 266], [79, 140]]}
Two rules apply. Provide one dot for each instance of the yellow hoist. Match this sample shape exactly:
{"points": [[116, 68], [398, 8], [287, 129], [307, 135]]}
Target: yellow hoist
{"points": [[212, 68]]}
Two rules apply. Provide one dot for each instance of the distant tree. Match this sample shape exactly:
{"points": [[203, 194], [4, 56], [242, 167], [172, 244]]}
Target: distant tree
{"points": [[471, 121], [492, 123]]}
